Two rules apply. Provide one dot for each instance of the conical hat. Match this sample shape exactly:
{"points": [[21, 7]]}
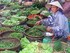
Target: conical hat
{"points": [[56, 3]]}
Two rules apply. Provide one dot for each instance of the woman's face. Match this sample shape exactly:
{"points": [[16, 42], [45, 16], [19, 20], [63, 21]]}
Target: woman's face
{"points": [[54, 9]]}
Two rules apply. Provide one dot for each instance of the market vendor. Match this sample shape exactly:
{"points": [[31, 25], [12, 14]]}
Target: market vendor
{"points": [[57, 22]]}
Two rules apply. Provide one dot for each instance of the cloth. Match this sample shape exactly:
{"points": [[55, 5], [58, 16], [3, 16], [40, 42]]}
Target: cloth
{"points": [[59, 24]]}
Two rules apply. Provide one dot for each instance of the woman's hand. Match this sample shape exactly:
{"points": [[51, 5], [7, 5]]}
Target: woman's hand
{"points": [[38, 22], [49, 29]]}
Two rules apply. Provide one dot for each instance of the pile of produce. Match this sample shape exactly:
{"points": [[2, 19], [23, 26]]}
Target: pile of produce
{"points": [[24, 42], [4, 29], [6, 44], [10, 23], [16, 35], [7, 51], [40, 27], [58, 46], [19, 28], [6, 2], [45, 13], [5, 13], [33, 21], [14, 20], [36, 47], [68, 50], [18, 18], [15, 5], [34, 32]]}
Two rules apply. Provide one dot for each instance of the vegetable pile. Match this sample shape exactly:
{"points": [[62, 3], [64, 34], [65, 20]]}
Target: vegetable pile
{"points": [[19, 28], [14, 20], [16, 35], [68, 50], [24, 42], [34, 32], [7, 51], [58, 46], [36, 47], [6, 44], [4, 29], [33, 21]]}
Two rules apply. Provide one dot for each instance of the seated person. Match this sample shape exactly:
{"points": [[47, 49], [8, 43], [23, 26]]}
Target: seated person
{"points": [[57, 22]]}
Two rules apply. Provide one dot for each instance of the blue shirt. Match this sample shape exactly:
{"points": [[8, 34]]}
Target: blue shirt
{"points": [[59, 24]]}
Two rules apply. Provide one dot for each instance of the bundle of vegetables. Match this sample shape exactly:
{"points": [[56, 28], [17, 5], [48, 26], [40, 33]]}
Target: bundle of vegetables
{"points": [[31, 10], [16, 35], [36, 47], [40, 27], [19, 28], [6, 13], [45, 13], [6, 44], [34, 32], [37, 10], [20, 13], [33, 21], [68, 50], [10, 22], [15, 5], [18, 18], [5, 1], [24, 42], [14, 20], [58, 46], [38, 5], [14, 11], [4, 29], [8, 51]]}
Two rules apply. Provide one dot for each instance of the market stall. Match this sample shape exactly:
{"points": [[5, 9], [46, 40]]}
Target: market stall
{"points": [[20, 34]]}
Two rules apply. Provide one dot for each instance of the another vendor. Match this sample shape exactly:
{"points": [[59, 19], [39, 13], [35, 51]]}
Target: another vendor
{"points": [[57, 22]]}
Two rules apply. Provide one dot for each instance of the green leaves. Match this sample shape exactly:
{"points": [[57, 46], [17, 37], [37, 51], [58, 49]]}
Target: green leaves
{"points": [[57, 45], [24, 42]]}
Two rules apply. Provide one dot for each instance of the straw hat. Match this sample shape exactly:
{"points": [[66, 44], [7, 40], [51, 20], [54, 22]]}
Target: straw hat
{"points": [[56, 3]]}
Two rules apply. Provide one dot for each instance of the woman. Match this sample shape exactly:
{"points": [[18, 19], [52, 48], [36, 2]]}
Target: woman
{"points": [[56, 23]]}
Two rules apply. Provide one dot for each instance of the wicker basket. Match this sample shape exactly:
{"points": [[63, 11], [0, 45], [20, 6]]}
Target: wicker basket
{"points": [[35, 38], [14, 41]]}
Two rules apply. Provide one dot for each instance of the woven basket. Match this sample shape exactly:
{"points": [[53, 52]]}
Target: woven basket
{"points": [[14, 41]]}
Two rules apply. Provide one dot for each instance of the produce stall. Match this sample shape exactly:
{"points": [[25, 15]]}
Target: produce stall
{"points": [[20, 34]]}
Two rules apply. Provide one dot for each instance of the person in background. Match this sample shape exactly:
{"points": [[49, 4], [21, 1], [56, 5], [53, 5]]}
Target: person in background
{"points": [[26, 1], [66, 7], [57, 22]]}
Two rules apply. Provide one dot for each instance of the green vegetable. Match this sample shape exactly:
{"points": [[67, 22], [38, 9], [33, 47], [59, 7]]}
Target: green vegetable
{"points": [[68, 50], [15, 5], [24, 42], [38, 5], [57, 45], [19, 28], [7, 51], [6, 2], [33, 21], [35, 11], [10, 22], [34, 32], [4, 29], [6, 13], [40, 27], [16, 35], [6, 44], [36, 47]]}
